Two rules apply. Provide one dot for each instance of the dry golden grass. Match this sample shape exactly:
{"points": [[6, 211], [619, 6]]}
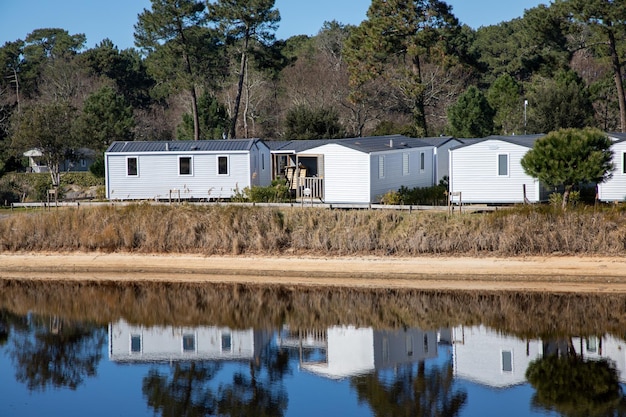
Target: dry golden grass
{"points": [[220, 230], [269, 307]]}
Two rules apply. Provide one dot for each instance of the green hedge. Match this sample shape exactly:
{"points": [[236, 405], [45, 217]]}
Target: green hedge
{"points": [[16, 187]]}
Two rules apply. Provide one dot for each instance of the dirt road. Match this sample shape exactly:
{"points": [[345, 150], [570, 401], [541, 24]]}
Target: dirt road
{"points": [[554, 274]]}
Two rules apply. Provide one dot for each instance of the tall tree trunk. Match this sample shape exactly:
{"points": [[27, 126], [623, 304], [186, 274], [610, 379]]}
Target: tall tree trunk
{"points": [[617, 73], [194, 99], [566, 193], [420, 111], [242, 69], [194, 111], [246, 106]]}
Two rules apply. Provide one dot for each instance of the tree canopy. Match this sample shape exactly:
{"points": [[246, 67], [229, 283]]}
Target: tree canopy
{"points": [[405, 69], [570, 157], [47, 128], [471, 116]]}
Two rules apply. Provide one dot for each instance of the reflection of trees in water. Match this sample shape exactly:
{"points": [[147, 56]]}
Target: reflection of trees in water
{"points": [[10, 320], [422, 393], [254, 394], [186, 391], [56, 352], [567, 383]]}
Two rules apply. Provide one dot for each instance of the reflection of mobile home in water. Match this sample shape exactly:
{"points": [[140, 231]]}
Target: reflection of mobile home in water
{"points": [[130, 343], [606, 347], [487, 357], [345, 351]]}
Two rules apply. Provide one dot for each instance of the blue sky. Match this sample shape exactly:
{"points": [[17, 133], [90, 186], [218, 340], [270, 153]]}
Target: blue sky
{"points": [[114, 19]]}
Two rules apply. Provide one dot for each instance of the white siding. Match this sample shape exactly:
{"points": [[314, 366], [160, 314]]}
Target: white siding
{"points": [[615, 188], [346, 174], [350, 352], [158, 174], [442, 159], [478, 356], [393, 177], [474, 173], [352, 176], [166, 343], [604, 347]]}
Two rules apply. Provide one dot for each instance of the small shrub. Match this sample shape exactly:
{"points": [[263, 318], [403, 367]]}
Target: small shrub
{"points": [[432, 196], [97, 168], [276, 193], [391, 198], [556, 199]]}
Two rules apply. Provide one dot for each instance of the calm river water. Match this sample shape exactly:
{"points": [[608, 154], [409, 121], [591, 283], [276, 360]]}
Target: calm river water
{"points": [[107, 349]]}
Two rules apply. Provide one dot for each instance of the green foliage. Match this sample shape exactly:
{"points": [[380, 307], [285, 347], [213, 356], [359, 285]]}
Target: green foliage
{"points": [[569, 157], [534, 44], [97, 168], [82, 179], [556, 199], [213, 120], [387, 127], [105, 118], [416, 196], [52, 43], [302, 122], [277, 192], [50, 129], [471, 116], [601, 24], [16, 187], [125, 68], [559, 103], [179, 46], [418, 30], [573, 386], [250, 22], [504, 96]]}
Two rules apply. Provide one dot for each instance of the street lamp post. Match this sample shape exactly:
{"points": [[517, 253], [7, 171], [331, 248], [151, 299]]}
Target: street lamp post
{"points": [[525, 106]]}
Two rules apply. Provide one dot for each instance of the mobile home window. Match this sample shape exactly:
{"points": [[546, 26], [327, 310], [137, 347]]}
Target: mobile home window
{"points": [[405, 164], [381, 167], [507, 361], [184, 165], [422, 161], [226, 342], [131, 167], [503, 165], [135, 343], [624, 163], [222, 165], [189, 343]]}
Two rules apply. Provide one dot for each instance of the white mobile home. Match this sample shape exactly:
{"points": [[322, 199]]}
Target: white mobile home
{"points": [[489, 170], [137, 343], [198, 170], [442, 145], [490, 358], [615, 188], [346, 351], [358, 170]]}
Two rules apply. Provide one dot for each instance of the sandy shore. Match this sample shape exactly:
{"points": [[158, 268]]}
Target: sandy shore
{"points": [[554, 274]]}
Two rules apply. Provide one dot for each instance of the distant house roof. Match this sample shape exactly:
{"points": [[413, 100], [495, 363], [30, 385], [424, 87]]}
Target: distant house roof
{"points": [[439, 140], [617, 136], [527, 141], [182, 146], [368, 144], [295, 146]]}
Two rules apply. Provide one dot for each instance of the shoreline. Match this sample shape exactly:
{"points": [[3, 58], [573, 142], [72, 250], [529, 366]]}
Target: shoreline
{"points": [[571, 274]]}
